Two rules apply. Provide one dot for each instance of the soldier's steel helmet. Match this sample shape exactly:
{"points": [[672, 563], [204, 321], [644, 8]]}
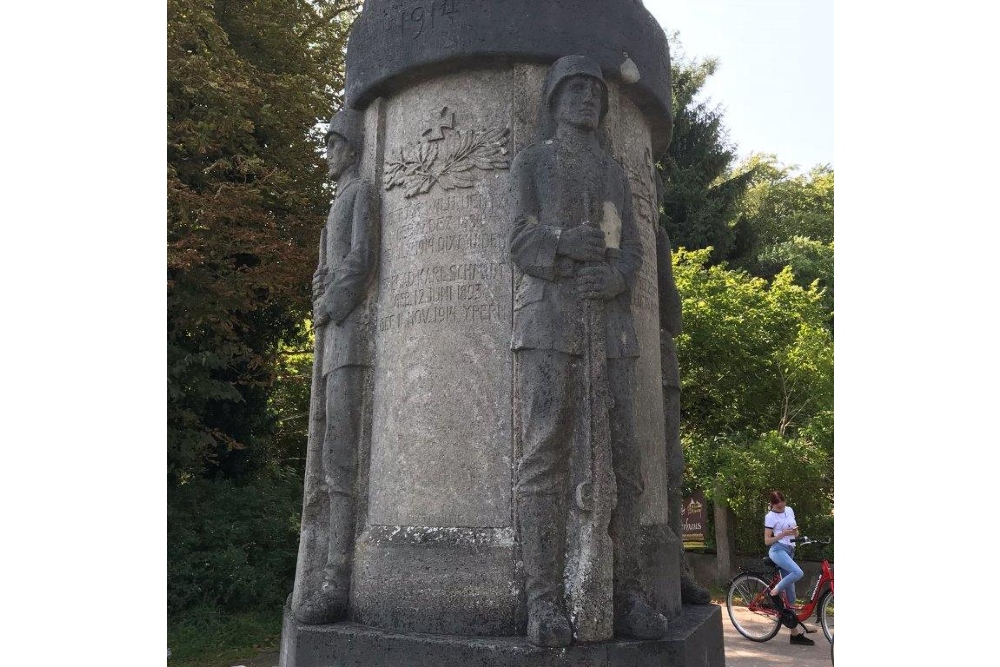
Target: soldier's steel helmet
{"points": [[568, 66], [349, 124]]}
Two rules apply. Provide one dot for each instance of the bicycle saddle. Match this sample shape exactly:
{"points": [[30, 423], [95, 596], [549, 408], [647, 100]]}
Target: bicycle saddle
{"points": [[769, 562]]}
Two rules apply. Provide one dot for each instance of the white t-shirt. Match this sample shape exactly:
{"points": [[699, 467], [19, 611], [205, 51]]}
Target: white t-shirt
{"points": [[779, 521]]}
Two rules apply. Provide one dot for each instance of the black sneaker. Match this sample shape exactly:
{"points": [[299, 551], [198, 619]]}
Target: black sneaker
{"points": [[801, 639]]}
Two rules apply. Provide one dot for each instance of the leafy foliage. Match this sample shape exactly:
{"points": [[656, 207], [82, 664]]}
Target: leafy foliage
{"points": [[232, 546], [739, 336], [751, 467], [782, 203], [247, 83], [289, 402], [757, 400], [700, 193], [786, 219], [208, 637], [754, 264]]}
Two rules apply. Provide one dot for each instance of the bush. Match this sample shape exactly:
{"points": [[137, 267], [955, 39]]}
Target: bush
{"points": [[205, 637], [231, 545]]}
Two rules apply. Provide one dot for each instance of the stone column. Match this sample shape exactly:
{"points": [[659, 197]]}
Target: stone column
{"points": [[453, 89], [439, 528], [631, 140]]}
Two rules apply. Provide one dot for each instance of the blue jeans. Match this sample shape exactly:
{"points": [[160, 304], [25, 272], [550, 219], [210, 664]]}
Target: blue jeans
{"points": [[781, 554]]}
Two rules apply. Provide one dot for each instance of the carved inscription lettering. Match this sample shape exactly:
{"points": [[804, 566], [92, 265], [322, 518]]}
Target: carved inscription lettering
{"points": [[441, 315], [412, 236], [644, 293], [414, 21], [447, 157], [448, 263], [457, 293], [441, 274], [644, 204], [643, 190], [466, 242]]}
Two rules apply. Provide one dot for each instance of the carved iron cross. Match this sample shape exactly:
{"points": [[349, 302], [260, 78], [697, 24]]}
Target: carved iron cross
{"points": [[445, 120]]}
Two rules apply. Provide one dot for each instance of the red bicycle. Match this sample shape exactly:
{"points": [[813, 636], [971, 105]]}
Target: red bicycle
{"points": [[752, 612]]}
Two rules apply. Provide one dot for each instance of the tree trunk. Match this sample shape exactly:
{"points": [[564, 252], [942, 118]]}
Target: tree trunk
{"points": [[724, 545]]}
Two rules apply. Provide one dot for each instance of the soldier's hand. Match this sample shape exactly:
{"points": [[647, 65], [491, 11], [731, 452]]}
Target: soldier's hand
{"points": [[340, 305], [599, 282], [321, 312], [318, 283], [583, 242]]}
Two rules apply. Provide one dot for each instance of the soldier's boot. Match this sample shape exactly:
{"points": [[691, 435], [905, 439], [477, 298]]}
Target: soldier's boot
{"points": [[634, 616], [691, 591], [543, 537], [329, 604]]}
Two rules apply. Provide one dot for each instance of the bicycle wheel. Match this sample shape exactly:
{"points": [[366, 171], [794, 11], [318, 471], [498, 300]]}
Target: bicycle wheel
{"points": [[826, 615], [750, 610]]}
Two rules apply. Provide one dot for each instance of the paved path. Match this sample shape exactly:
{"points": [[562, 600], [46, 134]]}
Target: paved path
{"points": [[741, 652]]}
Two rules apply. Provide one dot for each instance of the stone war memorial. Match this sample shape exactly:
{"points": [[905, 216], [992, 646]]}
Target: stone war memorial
{"points": [[493, 470]]}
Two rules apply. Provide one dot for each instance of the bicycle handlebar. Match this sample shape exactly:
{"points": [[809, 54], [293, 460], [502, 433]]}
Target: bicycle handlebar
{"points": [[803, 540]]}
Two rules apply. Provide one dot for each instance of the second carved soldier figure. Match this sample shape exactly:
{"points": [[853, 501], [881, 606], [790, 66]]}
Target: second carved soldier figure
{"points": [[347, 264]]}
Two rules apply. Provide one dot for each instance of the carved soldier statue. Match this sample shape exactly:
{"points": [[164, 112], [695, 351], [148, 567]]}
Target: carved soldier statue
{"points": [[348, 256], [561, 182]]}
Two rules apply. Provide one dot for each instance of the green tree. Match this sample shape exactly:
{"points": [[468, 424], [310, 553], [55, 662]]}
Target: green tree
{"points": [[701, 193], [737, 347], [781, 202], [289, 402], [247, 84], [757, 401], [786, 219]]}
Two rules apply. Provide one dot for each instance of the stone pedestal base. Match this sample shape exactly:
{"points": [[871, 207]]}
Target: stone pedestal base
{"points": [[694, 640]]}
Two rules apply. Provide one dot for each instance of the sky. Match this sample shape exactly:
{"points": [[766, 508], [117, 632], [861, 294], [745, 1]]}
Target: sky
{"points": [[775, 74]]}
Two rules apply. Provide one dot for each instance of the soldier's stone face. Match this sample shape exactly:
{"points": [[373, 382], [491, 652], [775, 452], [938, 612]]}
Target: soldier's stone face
{"points": [[339, 155], [578, 102]]}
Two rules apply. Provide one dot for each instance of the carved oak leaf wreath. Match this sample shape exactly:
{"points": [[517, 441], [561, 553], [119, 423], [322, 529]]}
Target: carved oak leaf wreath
{"points": [[448, 162]]}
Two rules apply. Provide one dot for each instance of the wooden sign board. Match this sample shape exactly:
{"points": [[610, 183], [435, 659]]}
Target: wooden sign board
{"points": [[694, 520]]}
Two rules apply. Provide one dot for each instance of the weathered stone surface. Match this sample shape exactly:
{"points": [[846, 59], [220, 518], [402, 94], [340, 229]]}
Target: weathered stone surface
{"points": [[440, 453], [660, 558], [578, 252], [443, 450], [440, 475], [451, 91], [348, 257], [396, 42], [693, 640], [436, 580], [629, 136]]}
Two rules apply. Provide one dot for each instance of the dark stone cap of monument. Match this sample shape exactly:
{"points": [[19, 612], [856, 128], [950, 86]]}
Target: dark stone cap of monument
{"points": [[568, 66], [395, 43], [349, 124]]}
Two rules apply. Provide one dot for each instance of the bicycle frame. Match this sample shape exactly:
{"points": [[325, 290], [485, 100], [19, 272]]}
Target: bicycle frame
{"points": [[757, 617], [806, 610]]}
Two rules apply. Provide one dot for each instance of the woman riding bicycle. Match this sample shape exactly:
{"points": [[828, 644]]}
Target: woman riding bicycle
{"points": [[779, 529]]}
